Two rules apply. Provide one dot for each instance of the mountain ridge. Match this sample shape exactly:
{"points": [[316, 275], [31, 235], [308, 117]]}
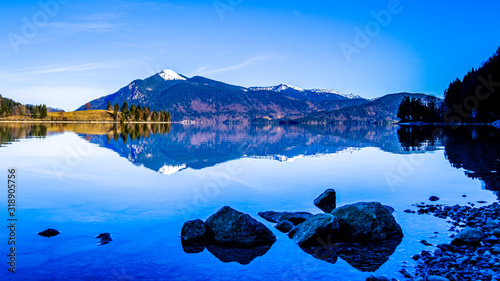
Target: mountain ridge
{"points": [[205, 100]]}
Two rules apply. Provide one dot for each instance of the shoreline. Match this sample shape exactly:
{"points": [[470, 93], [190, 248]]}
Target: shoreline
{"points": [[86, 122], [472, 253], [444, 124]]}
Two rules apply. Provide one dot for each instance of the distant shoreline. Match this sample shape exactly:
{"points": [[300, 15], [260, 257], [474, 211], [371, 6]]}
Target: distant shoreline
{"points": [[88, 122], [444, 124]]}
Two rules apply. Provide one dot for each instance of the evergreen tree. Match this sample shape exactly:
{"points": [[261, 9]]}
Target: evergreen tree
{"points": [[43, 112], [108, 106], [124, 108]]}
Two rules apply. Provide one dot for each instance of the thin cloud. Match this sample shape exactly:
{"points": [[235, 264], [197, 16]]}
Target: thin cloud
{"points": [[251, 61], [83, 26], [58, 68]]}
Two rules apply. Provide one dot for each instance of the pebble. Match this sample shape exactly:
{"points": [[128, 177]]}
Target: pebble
{"points": [[479, 261]]}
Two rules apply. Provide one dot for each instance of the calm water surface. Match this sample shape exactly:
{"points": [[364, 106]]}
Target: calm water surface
{"points": [[141, 183]]}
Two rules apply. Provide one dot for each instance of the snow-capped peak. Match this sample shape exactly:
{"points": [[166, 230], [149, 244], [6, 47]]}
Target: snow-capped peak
{"points": [[283, 87], [279, 88], [349, 96], [168, 74]]}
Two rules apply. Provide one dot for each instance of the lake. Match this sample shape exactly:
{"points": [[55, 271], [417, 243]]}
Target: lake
{"points": [[142, 182]]}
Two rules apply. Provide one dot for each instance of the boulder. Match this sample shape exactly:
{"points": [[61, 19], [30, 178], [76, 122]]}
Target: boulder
{"points": [[468, 236], [366, 222], [318, 229], [284, 226], [230, 227], [193, 232], [49, 232], [327, 201], [276, 217]]}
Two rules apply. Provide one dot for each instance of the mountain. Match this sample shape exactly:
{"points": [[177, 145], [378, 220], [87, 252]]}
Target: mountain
{"points": [[314, 95], [202, 99], [375, 111]]}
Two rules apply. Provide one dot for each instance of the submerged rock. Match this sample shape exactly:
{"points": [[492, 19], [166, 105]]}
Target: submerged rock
{"points": [[105, 238], [327, 201], [242, 256], [468, 236], [193, 232], [276, 217], [366, 222], [284, 226], [230, 227], [294, 217], [270, 216], [50, 232], [316, 229]]}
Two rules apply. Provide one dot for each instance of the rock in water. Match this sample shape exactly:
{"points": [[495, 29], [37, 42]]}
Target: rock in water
{"points": [[327, 201], [235, 229], [468, 236], [433, 198], [49, 233], [270, 216], [366, 222], [105, 238], [294, 217], [285, 226], [316, 230], [193, 232]]}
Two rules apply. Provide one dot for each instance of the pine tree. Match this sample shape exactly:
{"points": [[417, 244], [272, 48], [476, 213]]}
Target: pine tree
{"points": [[108, 107], [43, 113], [124, 108]]}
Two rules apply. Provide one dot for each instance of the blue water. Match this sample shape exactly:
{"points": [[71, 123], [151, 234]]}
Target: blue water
{"points": [[82, 183]]}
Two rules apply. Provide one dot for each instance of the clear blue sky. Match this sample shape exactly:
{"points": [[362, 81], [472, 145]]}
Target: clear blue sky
{"points": [[81, 50]]}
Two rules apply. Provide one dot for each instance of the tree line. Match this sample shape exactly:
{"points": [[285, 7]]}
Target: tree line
{"points": [[417, 110], [137, 113], [473, 99], [476, 97], [9, 107]]}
